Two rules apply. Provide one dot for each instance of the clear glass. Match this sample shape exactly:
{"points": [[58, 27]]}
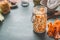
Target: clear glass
{"points": [[25, 3], [39, 19]]}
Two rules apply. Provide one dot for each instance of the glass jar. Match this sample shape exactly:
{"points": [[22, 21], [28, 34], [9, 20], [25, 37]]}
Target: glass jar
{"points": [[24, 3], [39, 19], [4, 7]]}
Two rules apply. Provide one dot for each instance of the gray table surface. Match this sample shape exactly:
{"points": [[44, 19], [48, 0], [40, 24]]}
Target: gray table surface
{"points": [[18, 26]]}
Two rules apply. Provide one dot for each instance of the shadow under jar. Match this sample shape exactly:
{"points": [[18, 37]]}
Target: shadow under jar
{"points": [[39, 19]]}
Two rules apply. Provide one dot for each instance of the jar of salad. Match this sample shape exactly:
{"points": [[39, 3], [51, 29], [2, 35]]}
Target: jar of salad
{"points": [[4, 7], [39, 19]]}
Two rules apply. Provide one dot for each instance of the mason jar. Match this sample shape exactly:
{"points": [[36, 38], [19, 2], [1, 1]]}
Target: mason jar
{"points": [[4, 5], [39, 19]]}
